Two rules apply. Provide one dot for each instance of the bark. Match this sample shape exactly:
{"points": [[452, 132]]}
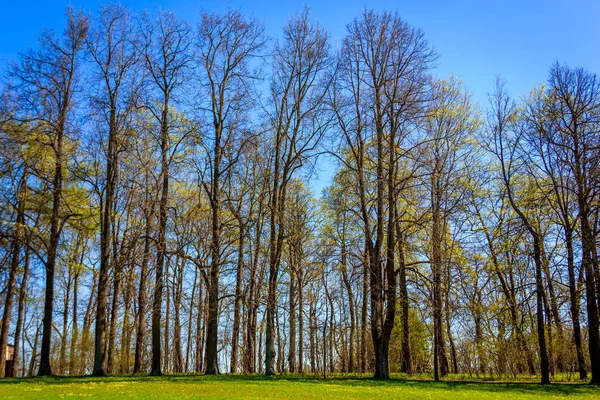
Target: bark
{"points": [[161, 244], [15, 252], [238, 299], [351, 305], [574, 304], [62, 361], [21, 308], [45, 367], [177, 296], [406, 366], [141, 311], [292, 318]]}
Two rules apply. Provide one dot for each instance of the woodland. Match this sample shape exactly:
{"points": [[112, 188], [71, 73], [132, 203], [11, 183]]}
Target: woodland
{"points": [[157, 214]]}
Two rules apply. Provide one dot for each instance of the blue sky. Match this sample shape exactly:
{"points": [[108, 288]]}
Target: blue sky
{"points": [[477, 40]]}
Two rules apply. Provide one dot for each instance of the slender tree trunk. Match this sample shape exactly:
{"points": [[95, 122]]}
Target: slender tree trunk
{"points": [[127, 330], [199, 326], [439, 353], [34, 353], [292, 317], [212, 331], [238, 300], [167, 320], [300, 324], [190, 320], [574, 303], [45, 368], [364, 316], [62, 363], [75, 328], [161, 243], [141, 312], [177, 347], [87, 322], [351, 306], [406, 366], [540, 311], [112, 328], [106, 227], [12, 274], [21, 309]]}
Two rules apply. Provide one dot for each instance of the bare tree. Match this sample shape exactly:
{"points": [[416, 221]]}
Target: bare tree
{"points": [[227, 45], [573, 109], [383, 66], [451, 123], [501, 121], [111, 48], [165, 45], [301, 78]]}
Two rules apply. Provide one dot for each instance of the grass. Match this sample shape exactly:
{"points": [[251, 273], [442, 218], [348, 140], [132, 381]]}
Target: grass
{"points": [[279, 387]]}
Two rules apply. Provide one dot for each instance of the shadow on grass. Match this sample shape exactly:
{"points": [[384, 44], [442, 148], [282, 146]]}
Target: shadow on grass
{"points": [[556, 389]]}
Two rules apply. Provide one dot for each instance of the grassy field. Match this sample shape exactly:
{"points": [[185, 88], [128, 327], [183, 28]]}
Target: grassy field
{"points": [[281, 387]]}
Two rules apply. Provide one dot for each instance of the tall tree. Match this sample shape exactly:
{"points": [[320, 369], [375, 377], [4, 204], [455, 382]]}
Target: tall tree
{"points": [[165, 51], [301, 77], [47, 80], [506, 147], [111, 47], [452, 121], [227, 45], [383, 63], [573, 108]]}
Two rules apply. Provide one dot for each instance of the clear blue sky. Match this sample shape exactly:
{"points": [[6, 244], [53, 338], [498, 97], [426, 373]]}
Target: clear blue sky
{"points": [[477, 40]]}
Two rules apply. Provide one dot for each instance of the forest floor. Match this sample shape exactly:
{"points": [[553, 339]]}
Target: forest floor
{"points": [[280, 387]]}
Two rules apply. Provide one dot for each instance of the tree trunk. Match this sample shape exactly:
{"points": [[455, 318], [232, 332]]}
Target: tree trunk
{"points": [[161, 243], [45, 368], [574, 303], [544, 366], [238, 300], [406, 366], [21, 309], [15, 252], [141, 312], [292, 318]]}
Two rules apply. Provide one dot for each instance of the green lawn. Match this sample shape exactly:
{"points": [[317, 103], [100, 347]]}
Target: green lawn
{"points": [[282, 387]]}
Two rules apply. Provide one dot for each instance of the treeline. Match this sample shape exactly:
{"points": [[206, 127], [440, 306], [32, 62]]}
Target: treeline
{"points": [[156, 215]]}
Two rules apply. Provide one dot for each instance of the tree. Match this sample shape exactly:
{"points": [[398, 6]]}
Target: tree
{"points": [[450, 125], [47, 80], [573, 115], [301, 77], [502, 120], [227, 46], [110, 45], [383, 74], [164, 47]]}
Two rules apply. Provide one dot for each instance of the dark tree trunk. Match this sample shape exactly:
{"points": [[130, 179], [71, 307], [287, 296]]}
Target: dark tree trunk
{"points": [[161, 243], [21, 309], [406, 366], [238, 300], [292, 317], [45, 368], [15, 255], [141, 312]]}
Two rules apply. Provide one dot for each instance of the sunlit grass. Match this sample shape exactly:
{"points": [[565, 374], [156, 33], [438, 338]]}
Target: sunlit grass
{"points": [[280, 387]]}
